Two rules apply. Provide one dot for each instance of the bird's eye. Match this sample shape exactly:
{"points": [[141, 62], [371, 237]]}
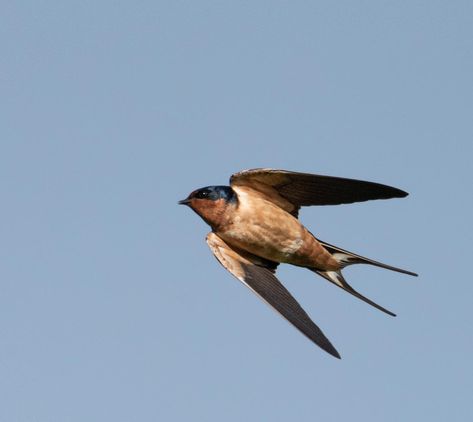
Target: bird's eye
{"points": [[202, 194]]}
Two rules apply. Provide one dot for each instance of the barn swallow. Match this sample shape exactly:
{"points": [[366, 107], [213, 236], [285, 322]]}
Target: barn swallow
{"points": [[255, 227]]}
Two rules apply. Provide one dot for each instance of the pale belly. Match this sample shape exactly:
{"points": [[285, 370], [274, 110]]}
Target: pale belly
{"points": [[266, 231]]}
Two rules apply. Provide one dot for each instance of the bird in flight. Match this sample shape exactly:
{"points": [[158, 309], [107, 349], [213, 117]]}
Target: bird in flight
{"points": [[255, 227]]}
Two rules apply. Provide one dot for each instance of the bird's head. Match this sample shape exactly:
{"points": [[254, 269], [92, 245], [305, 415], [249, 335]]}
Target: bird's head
{"points": [[212, 203]]}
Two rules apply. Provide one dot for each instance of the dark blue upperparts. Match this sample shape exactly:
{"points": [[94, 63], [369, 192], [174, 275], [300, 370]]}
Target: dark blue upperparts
{"points": [[214, 193]]}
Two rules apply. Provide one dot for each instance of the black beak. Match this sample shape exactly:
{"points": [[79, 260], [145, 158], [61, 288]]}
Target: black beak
{"points": [[184, 201]]}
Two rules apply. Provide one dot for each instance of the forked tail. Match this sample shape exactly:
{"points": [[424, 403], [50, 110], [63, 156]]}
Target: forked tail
{"points": [[345, 258]]}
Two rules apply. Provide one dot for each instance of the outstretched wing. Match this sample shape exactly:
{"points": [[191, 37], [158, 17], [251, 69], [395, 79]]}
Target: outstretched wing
{"points": [[291, 190], [262, 281]]}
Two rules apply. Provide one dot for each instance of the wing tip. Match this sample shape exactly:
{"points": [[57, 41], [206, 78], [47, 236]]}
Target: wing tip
{"points": [[326, 346], [402, 193], [329, 348], [392, 192], [335, 354]]}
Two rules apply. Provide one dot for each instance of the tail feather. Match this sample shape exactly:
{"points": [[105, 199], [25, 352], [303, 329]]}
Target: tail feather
{"points": [[345, 258], [337, 278]]}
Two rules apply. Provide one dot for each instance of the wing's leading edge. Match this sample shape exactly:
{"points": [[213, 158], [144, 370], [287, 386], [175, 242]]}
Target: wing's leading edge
{"points": [[304, 189]]}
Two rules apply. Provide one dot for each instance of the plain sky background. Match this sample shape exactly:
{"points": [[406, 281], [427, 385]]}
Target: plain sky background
{"points": [[112, 308]]}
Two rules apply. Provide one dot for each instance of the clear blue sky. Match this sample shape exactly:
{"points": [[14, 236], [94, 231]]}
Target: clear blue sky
{"points": [[111, 305]]}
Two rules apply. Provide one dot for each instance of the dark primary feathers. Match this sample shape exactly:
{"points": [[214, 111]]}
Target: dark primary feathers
{"points": [[262, 281], [303, 189], [265, 284]]}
